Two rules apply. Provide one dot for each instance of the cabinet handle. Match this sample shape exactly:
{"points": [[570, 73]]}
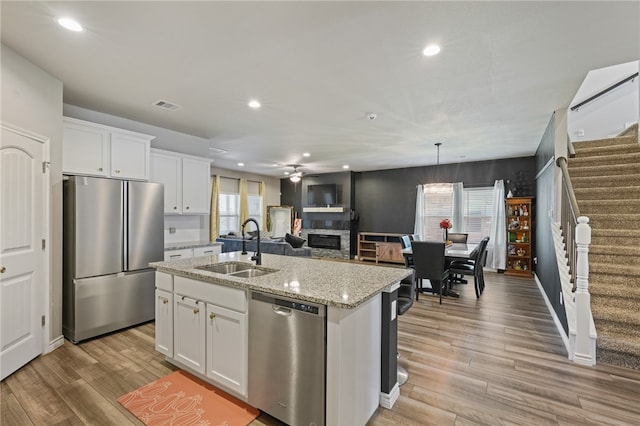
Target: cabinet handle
{"points": [[2, 269], [196, 311], [165, 301], [187, 207], [117, 171], [99, 169], [175, 207], [212, 315]]}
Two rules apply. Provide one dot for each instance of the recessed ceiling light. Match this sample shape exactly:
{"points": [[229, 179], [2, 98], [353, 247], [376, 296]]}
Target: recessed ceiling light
{"points": [[286, 173], [254, 104], [345, 166], [430, 50], [241, 164], [306, 154], [70, 24]]}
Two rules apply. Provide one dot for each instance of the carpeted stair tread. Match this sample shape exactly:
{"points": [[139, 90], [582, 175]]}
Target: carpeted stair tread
{"points": [[603, 287], [615, 259], [597, 151], [631, 131], [613, 270], [617, 220], [604, 232], [612, 328], [604, 171], [599, 143], [580, 182], [611, 195], [604, 277], [615, 159]]}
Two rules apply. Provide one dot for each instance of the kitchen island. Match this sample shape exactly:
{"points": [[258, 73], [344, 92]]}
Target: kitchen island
{"points": [[216, 305]]}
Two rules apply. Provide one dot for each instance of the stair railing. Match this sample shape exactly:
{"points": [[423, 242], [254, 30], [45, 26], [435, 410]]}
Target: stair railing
{"points": [[577, 233]]}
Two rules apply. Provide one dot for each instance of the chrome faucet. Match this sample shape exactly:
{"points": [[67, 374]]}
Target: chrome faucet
{"points": [[257, 256]]}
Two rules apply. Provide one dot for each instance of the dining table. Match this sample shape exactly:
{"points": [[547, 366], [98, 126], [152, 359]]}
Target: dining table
{"points": [[454, 251]]}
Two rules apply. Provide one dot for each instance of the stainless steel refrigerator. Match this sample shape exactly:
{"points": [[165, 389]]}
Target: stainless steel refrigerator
{"points": [[112, 230]]}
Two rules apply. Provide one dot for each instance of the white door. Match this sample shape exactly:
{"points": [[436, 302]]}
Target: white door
{"points": [[21, 249], [227, 342], [164, 322], [189, 332], [196, 175]]}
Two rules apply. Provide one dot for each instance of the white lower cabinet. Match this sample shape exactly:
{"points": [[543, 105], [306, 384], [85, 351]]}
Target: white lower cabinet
{"points": [[164, 322], [227, 348], [188, 332], [204, 326]]}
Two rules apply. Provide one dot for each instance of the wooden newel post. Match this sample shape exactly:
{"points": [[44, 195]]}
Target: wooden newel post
{"points": [[585, 347]]}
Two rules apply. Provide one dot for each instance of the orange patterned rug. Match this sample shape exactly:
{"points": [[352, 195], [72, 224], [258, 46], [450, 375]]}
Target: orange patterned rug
{"points": [[182, 399]]}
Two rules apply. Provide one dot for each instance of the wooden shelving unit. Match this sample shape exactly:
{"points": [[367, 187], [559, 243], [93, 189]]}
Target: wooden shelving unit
{"points": [[380, 247], [519, 236]]}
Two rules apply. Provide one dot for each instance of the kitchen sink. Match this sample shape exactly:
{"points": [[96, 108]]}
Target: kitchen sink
{"points": [[250, 273], [227, 267], [236, 269]]}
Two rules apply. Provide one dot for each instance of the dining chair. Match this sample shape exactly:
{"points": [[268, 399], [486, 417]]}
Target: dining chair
{"points": [[473, 266], [429, 263], [406, 294], [405, 241], [458, 237]]}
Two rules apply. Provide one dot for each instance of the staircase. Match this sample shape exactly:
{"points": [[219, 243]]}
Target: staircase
{"points": [[606, 178]]}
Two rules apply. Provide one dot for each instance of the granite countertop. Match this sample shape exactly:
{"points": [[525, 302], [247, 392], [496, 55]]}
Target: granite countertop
{"points": [[340, 284], [190, 244]]}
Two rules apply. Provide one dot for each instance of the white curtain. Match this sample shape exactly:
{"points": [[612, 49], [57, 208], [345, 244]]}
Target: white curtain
{"points": [[497, 247], [458, 208], [418, 228]]}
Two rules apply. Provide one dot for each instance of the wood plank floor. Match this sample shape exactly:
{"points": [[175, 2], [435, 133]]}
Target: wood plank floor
{"points": [[493, 361]]}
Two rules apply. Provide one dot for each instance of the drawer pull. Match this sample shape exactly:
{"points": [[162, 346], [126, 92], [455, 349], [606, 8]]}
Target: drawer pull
{"points": [[165, 301], [196, 311], [117, 171], [212, 315], [99, 169]]}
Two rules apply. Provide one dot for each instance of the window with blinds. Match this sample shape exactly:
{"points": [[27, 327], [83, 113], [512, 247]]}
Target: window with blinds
{"points": [[477, 213], [229, 205], [438, 205]]}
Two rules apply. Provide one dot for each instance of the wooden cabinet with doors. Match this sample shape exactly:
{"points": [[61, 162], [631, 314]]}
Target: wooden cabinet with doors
{"points": [[380, 247], [520, 220]]}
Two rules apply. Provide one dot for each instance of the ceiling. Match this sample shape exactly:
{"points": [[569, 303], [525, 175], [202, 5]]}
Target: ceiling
{"points": [[318, 69]]}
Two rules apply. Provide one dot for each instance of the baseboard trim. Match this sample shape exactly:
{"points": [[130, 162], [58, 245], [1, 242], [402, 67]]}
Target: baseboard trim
{"points": [[55, 344], [556, 320]]}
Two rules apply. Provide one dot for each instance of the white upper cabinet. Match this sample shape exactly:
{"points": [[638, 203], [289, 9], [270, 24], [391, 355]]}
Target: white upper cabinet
{"points": [[98, 150], [186, 181]]}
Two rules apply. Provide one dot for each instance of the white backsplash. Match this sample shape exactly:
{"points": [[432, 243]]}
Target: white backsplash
{"points": [[179, 228]]}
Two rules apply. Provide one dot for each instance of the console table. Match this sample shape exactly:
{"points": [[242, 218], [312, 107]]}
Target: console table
{"points": [[380, 247]]}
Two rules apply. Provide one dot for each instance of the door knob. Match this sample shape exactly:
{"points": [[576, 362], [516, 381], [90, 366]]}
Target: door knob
{"points": [[2, 269]]}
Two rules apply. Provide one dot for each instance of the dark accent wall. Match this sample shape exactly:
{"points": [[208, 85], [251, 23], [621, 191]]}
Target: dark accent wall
{"points": [[547, 267], [385, 200]]}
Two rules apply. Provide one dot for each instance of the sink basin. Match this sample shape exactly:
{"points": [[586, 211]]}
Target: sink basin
{"points": [[250, 273], [227, 267], [236, 269]]}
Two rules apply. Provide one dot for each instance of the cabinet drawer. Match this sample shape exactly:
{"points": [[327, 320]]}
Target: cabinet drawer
{"points": [[226, 297], [206, 251], [178, 254]]}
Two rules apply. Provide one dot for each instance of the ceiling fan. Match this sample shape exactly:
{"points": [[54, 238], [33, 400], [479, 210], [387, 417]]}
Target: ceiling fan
{"points": [[296, 175]]}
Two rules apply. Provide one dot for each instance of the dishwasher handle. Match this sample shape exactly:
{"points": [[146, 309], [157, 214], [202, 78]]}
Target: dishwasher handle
{"points": [[285, 312]]}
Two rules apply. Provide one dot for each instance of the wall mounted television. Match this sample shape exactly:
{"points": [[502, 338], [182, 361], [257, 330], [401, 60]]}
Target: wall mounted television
{"points": [[322, 195]]}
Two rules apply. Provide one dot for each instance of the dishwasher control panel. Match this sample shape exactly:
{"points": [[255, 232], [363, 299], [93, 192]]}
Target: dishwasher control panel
{"points": [[291, 304]]}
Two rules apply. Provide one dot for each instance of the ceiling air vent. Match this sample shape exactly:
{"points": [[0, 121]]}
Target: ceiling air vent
{"points": [[166, 105]]}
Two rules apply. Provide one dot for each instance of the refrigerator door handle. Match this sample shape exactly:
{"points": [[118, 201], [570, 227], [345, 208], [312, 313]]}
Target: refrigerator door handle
{"points": [[125, 228]]}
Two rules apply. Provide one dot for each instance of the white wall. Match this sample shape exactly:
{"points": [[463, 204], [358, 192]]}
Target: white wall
{"points": [[609, 114], [32, 100]]}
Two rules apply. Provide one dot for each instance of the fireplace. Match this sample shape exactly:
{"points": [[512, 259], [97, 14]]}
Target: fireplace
{"points": [[323, 241]]}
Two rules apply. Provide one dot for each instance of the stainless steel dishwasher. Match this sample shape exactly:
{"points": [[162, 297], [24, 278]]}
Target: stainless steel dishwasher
{"points": [[287, 357]]}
